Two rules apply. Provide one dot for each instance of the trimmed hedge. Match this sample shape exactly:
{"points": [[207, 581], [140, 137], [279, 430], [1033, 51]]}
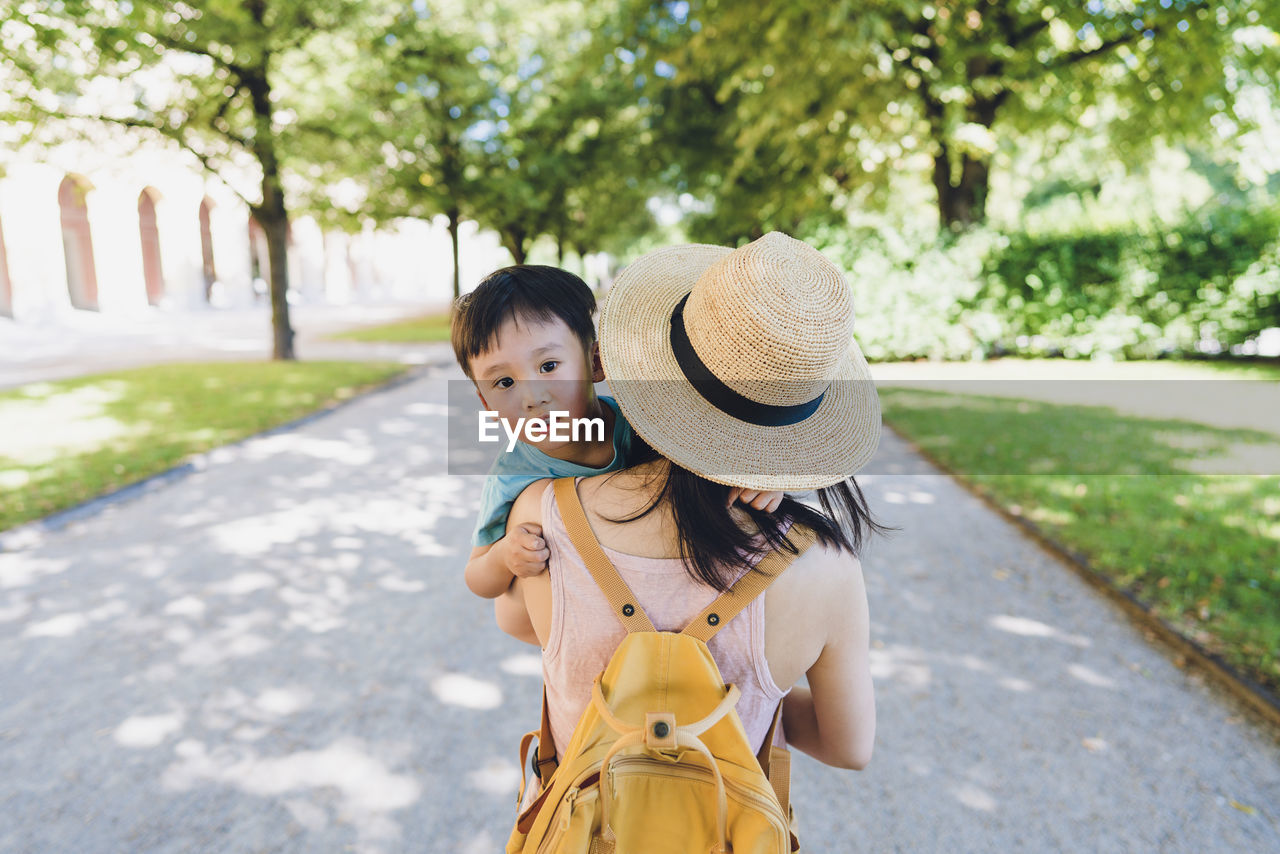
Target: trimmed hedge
{"points": [[1211, 281]]}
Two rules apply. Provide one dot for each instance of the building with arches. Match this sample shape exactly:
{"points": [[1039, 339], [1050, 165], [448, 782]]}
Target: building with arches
{"points": [[120, 228], [6, 299]]}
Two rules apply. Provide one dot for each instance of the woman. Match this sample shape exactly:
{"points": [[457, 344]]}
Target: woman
{"points": [[736, 368]]}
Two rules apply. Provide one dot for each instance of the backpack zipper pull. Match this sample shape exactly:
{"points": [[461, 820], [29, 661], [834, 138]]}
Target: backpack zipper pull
{"points": [[569, 797]]}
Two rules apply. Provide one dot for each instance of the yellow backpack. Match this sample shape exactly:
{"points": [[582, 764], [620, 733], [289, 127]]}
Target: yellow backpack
{"points": [[659, 762]]}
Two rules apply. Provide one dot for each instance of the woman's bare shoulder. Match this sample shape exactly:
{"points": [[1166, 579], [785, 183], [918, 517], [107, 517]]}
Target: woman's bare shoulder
{"points": [[805, 608], [823, 568]]}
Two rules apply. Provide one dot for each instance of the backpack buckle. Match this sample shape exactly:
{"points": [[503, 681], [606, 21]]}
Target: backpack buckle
{"points": [[660, 731], [538, 767]]}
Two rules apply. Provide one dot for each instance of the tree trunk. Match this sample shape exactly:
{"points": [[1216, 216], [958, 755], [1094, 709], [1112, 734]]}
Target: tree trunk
{"points": [[964, 204], [275, 222], [576, 249], [272, 214], [454, 215], [513, 238], [560, 250]]}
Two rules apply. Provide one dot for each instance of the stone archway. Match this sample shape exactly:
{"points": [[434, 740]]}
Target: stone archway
{"points": [[6, 286], [152, 269], [77, 243], [208, 271]]}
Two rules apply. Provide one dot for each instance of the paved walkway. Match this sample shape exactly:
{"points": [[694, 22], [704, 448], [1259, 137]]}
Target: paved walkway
{"points": [[277, 653]]}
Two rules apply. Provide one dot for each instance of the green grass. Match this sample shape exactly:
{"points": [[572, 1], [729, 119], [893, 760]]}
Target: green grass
{"points": [[1240, 370], [69, 441], [1201, 550], [1156, 369], [428, 328]]}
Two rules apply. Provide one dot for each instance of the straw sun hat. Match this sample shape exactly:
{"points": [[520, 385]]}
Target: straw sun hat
{"points": [[740, 364]]}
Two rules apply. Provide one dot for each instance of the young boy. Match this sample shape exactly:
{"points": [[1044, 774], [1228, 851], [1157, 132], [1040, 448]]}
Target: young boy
{"points": [[526, 339]]}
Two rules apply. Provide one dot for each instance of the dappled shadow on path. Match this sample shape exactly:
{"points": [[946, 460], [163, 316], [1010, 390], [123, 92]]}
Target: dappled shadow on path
{"points": [[274, 653], [278, 653], [1018, 709]]}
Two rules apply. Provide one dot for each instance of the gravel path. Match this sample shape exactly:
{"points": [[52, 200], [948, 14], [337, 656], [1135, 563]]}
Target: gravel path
{"points": [[277, 653]]}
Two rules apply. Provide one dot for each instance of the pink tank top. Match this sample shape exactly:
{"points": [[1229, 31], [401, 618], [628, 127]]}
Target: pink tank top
{"points": [[585, 631]]}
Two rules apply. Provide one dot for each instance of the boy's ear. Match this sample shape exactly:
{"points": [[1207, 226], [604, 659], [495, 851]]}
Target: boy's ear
{"points": [[597, 366]]}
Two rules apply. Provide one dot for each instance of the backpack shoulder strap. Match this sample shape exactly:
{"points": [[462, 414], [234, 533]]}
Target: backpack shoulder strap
{"points": [[621, 599], [775, 762], [728, 604], [546, 752]]}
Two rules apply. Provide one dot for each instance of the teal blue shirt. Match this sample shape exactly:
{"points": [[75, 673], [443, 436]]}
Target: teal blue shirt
{"points": [[524, 464]]}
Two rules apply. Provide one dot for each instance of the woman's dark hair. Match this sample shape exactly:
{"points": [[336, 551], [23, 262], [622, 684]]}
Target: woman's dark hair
{"points": [[533, 291], [715, 548]]}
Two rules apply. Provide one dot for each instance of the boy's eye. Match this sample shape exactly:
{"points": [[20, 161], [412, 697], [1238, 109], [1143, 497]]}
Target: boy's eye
{"points": [[504, 382], [548, 367]]}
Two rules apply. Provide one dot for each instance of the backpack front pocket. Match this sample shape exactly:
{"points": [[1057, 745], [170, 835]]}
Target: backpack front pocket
{"points": [[575, 821], [674, 809]]}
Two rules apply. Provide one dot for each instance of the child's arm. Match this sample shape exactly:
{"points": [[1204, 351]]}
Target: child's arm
{"points": [[513, 616], [522, 552], [512, 608]]}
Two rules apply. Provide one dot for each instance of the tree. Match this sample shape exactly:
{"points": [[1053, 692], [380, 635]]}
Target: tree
{"points": [[514, 120], [210, 77], [567, 155], [817, 100], [600, 125], [416, 101]]}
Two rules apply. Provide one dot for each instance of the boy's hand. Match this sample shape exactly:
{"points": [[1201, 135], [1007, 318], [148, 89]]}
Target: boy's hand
{"points": [[525, 553], [766, 501]]}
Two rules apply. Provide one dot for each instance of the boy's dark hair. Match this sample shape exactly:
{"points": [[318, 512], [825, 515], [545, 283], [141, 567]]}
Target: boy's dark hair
{"points": [[532, 291]]}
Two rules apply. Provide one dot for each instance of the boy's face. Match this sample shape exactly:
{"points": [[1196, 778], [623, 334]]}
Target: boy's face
{"points": [[535, 368]]}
